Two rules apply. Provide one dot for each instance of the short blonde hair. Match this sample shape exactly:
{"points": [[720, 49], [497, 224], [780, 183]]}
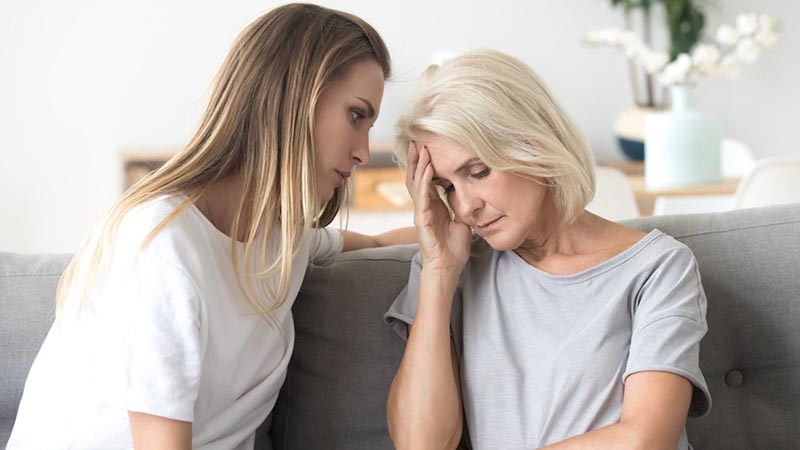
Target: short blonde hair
{"points": [[495, 105]]}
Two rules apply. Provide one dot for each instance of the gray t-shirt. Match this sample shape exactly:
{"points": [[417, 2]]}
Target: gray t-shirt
{"points": [[544, 357]]}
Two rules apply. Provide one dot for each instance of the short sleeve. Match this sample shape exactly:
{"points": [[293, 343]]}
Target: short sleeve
{"points": [[165, 342], [404, 308], [325, 245], [669, 320]]}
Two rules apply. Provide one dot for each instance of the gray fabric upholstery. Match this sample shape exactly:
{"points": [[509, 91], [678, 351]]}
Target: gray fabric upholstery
{"points": [[750, 264], [338, 380], [334, 396], [27, 308]]}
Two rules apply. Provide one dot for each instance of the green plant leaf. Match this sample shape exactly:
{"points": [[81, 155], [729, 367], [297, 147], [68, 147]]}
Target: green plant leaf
{"points": [[685, 23]]}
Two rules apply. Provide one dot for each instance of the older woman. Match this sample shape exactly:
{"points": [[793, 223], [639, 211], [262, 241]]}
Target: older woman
{"points": [[556, 329]]}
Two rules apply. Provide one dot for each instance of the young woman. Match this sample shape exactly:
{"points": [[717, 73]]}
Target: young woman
{"points": [[557, 329], [174, 325]]}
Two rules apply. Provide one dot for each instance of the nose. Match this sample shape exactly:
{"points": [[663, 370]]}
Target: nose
{"points": [[360, 153], [466, 204]]}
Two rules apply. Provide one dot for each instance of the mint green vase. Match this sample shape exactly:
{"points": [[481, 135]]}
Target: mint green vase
{"points": [[682, 145]]}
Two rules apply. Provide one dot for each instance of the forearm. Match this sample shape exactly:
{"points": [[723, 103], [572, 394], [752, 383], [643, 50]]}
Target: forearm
{"points": [[424, 407], [619, 436], [653, 416], [355, 241], [397, 236], [151, 432]]}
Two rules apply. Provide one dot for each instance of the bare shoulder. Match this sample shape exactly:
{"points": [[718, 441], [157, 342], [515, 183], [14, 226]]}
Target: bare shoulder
{"points": [[612, 239], [595, 242], [627, 236]]}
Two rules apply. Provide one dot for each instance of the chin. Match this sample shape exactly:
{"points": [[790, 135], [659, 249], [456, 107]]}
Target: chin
{"points": [[327, 196], [502, 242]]}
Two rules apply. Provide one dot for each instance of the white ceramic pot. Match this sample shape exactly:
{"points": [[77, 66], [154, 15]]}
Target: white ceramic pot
{"points": [[682, 145]]}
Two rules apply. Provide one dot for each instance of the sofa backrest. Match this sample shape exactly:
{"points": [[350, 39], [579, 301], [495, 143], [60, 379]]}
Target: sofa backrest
{"points": [[27, 308], [344, 360], [334, 396], [335, 393], [750, 266]]}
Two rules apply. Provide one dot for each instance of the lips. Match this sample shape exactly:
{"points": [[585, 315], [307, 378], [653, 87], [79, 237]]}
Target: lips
{"points": [[487, 225], [343, 175]]}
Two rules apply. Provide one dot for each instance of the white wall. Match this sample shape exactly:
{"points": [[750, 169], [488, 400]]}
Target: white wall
{"points": [[82, 80]]}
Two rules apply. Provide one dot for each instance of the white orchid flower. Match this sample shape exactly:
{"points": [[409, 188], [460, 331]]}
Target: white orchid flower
{"points": [[747, 50], [766, 37], [626, 38], [610, 36], [730, 66], [705, 57], [617, 37], [767, 23], [746, 24], [733, 46], [766, 34], [676, 71], [594, 37], [727, 35], [654, 61], [635, 50], [683, 61]]}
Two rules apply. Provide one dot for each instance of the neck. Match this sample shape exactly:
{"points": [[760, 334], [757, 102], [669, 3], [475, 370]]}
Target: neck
{"points": [[552, 237], [220, 203]]}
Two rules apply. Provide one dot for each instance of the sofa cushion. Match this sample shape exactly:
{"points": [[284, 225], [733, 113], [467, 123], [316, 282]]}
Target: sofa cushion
{"points": [[344, 359], [27, 302], [750, 266], [335, 392]]}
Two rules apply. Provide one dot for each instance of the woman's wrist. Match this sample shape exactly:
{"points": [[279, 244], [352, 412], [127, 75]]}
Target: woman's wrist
{"points": [[436, 290], [442, 280]]}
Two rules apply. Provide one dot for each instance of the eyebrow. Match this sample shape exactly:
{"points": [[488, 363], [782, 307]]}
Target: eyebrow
{"points": [[370, 108], [461, 168]]}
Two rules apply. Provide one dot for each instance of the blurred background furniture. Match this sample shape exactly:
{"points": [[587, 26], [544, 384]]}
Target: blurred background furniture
{"points": [[737, 161], [379, 200], [138, 163], [613, 198], [772, 181], [691, 204], [646, 197], [382, 203]]}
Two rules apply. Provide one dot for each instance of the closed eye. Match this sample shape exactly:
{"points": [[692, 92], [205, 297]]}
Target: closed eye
{"points": [[482, 174]]}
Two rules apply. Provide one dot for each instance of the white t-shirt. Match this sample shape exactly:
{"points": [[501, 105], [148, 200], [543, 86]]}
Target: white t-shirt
{"points": [[166, 332]]}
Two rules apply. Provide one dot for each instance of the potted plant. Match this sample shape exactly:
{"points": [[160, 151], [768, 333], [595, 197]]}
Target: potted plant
{"points": [[683, 144], [685, 23], [689, 56]]}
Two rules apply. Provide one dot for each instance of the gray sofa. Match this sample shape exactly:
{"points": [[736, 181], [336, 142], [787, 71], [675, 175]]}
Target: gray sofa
{"points": [[335, 392]]}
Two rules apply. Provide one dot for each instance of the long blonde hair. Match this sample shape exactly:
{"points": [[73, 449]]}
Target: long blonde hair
{"points": [[259, 124], [496, 106]]}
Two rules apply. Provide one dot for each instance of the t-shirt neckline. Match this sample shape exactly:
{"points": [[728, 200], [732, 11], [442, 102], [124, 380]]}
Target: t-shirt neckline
{"points": [[590, 272]]}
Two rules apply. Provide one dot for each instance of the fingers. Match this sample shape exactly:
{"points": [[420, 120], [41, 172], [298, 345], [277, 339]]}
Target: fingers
{"points": [[411, 165], [423, 161], [425, 185], [422, 180]]}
